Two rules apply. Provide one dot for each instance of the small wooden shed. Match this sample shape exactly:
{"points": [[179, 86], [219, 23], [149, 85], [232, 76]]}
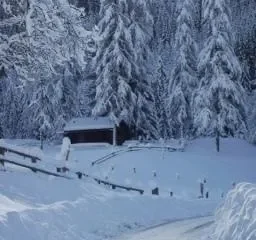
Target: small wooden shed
{"points": [[96, 130]]}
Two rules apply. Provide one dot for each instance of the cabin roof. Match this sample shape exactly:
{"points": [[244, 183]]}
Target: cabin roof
{"points": [[77, 124]]}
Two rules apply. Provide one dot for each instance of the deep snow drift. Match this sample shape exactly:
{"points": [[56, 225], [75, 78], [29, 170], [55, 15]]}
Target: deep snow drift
{"points": [[236, 219], [34, 206]]}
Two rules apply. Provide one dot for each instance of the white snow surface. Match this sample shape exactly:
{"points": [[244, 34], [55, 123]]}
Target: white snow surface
{"points": [[236, 219], [89, 123], [190, 229], [35, 206]]}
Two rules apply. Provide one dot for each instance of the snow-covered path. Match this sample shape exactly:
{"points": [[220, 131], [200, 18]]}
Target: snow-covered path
{"points": [[192, 229]]}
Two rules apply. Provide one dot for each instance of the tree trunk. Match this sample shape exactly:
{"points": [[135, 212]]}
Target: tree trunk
{"points": [[217, 140], [41, 140]]}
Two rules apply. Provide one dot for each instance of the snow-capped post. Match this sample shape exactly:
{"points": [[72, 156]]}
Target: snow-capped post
{"points": [[63, 156], [201, 190], [2, 151], [65, 149], [114, 136], [79, 175], [2, 166], [155, 191], [207, 195]]}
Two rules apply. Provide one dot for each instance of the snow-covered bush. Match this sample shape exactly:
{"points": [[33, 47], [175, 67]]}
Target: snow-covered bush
{"points": [[65, 149], [236, 219]]}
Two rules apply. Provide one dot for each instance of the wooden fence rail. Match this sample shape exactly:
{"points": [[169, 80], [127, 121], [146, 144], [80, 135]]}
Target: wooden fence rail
{"points": [[114, 186], [6, 149], [4, 160]]}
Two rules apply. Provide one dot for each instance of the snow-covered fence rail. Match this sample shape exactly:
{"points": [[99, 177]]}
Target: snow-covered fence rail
{"points": [[4, 160], [172, 145], [108, 156], [114, 154], [6, 148], [108, 183], [166, 148], [138, 147], [114, 186]]}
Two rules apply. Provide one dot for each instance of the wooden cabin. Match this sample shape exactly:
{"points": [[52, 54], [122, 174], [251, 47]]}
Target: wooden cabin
{"points": [[96, 130]]}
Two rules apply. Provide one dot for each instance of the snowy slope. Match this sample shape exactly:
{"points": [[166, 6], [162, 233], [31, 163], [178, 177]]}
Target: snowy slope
{"points": [[33, 206], [192, 229], [181, 172]]}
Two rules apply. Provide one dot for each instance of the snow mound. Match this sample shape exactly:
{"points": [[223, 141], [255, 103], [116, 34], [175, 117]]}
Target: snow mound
{"points": [[236, 219], [65, 148], [7, 205]]}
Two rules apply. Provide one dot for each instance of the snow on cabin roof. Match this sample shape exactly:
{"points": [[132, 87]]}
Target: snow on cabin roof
{"points": [[77, 124]]}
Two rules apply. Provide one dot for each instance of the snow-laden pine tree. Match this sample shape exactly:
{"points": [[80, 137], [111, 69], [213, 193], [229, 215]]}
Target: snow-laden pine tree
{"points": [[141, 29], [218, 102], [13, 59], [13, 41], [160, 86], [44, 28], [57, 61], [87, 87], [184, 76], [122, 91], [13, 101], [114, 63]]}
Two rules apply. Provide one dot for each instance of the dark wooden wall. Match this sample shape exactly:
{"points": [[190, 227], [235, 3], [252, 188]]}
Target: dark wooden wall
{"points": [[99, 135], [91, 136]]}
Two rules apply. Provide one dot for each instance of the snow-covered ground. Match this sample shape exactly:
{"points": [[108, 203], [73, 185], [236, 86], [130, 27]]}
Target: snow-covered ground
{"points": [[191, 229], [35, 206]]}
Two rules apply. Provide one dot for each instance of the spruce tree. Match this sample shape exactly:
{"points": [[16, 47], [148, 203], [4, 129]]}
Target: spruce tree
{"points": [[122, 90], [142, 32], [57, 62], [218, 103], [184, 77], [160, 85], [114, 63], [13, 101]]}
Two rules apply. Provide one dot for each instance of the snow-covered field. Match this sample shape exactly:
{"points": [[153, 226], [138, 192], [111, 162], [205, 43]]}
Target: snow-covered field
{"points": [[35, 206]]}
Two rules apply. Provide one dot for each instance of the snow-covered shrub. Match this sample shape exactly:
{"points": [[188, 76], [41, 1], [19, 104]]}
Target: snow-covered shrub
{"points": [[65, 149], [236, 219]]}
